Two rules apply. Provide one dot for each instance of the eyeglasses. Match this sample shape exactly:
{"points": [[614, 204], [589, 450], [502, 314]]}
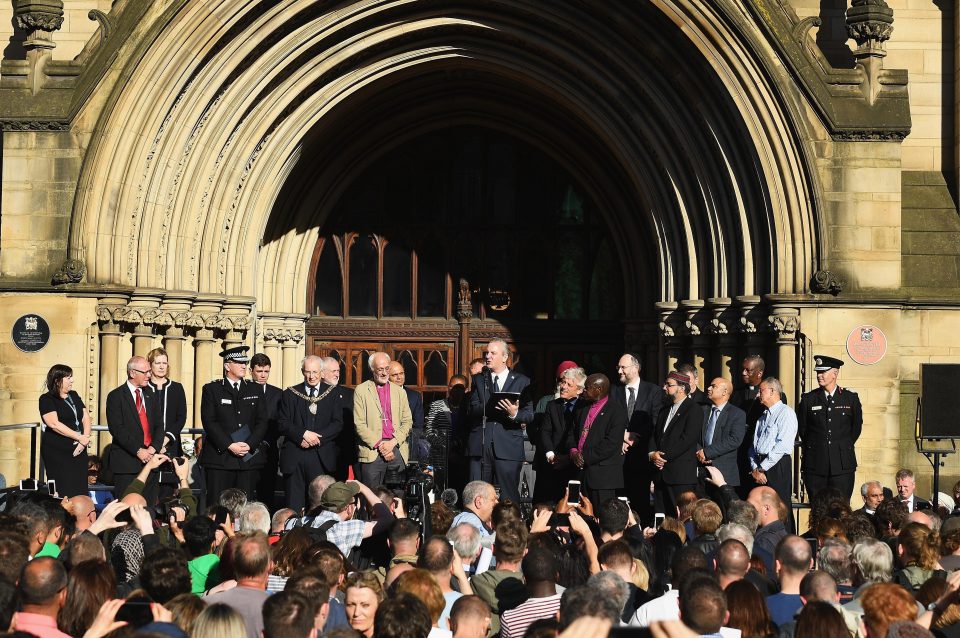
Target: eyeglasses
{"points": [[671, 385], [629, 365], [140, 371], [381, 369]]}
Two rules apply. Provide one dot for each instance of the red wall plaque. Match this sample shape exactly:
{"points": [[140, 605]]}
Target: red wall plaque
{"points": [[866, 345]]}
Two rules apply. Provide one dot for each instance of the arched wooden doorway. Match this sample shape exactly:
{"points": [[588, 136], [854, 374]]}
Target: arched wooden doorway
{"points": [[476, 205]]}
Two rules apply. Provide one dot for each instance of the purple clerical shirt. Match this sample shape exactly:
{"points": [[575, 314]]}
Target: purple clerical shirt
{"points": [[588, 423], [383, 391]]}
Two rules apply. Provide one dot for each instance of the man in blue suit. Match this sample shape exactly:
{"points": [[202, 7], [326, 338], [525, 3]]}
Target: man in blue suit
{"points": [[724, 426], [495, 444]]}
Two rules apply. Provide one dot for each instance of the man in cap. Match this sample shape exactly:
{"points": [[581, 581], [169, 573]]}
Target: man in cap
{"points": [[134, 421], [673, 446], [235, 418], [310, 421], [830, 419], [338, 505]]}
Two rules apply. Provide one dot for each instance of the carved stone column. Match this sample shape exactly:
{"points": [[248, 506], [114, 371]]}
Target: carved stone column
{"points": [[290, 346], [142, 340], [724, 343], [786, 325], [173, 340], [669, 342], [39, 18], [271, 348], [203, 353], [109, 359], [870, 23], [699, 346]]}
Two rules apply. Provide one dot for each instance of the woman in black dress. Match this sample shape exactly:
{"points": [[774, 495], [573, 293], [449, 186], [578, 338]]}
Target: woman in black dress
{"points": [[172, 399], [63, 445]]}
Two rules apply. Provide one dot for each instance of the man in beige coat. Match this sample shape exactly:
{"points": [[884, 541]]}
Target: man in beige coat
{"points": [[381, 413]]}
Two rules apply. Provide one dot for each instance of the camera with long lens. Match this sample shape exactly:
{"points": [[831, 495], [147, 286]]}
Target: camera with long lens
{"points": [[414, 482]]}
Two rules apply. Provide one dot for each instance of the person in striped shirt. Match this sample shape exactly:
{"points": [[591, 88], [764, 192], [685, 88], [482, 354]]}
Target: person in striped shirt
{"points": [[540, 573]]}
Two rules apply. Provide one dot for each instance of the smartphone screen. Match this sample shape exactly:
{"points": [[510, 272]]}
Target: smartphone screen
{"points": [[658, 520], [51, 487], [573, 494], [221, 517], [28, 485]]}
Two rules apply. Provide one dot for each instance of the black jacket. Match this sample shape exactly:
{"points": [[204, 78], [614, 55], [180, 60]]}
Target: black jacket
{"points": [[829, 429], [727, 437], [679, 443], [295, 419], [223, 412], [602, 457], [505, 433], [556, 433], [172, 405], [126, 430]]}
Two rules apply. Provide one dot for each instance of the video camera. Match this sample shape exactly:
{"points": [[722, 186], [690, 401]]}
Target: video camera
{"points": [[415, 482]]}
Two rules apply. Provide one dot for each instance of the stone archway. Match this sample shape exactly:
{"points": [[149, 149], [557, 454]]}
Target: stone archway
{"points": [[669, 108]]}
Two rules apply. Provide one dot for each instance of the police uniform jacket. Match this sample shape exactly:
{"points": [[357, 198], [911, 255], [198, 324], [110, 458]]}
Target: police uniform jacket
{"points": [[829, 427], [223, 411], [295, 419]]}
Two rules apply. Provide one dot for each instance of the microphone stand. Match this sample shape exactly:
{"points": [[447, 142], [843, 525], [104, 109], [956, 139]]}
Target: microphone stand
{"points": [[483, 426]]}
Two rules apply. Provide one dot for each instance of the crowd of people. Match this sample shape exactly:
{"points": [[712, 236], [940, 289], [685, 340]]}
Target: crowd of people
{"points": [[668, 510]]}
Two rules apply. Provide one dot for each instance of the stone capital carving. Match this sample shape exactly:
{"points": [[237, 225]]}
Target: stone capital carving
{"points": [[786, 323], [39, 15], [70, 272], [869, 24]]}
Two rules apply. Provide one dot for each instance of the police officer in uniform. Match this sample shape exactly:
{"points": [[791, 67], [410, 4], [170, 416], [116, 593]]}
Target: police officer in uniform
{"points": [[235, 419], [830, 420]]}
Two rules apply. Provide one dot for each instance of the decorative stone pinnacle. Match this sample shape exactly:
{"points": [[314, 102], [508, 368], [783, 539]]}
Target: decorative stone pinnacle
{"points": [[39, 15], [869, 23]]}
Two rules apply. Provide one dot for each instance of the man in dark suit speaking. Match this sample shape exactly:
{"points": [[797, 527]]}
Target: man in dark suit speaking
{"points": [[134, 421], [598, 440], [495, 444], [310, 421], [724, 426], [673, 446], [641, 401]]}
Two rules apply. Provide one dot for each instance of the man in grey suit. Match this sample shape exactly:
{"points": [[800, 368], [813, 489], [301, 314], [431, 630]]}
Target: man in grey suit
{"points": [[724, 426]]}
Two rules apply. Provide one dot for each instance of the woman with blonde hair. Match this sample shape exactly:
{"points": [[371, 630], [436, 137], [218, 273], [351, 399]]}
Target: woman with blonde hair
{"points": [[363, 595], [171, 398], [219, 621], [918, 549]]}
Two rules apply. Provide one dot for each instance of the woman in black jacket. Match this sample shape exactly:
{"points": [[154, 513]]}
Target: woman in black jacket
{"points": [[171, 398]]}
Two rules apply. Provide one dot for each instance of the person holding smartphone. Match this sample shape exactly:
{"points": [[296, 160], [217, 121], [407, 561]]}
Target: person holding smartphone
{"points": [[66, 432]]}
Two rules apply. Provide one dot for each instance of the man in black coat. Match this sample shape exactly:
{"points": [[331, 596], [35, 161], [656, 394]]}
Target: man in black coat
{"points": [[830, 419], [134, 421], [267, 483], [235, 418], [642, 402], [495, 443], [347, 441], [417, 441], [673, 446], [310, 422], [556, 437], [724, 425], [598, 448]]}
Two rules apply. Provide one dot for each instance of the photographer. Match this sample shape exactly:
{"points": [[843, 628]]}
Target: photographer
{"points": [[172, 513]]}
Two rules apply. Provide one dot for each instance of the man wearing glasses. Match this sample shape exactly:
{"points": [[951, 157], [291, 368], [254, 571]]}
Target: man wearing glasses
{"points": [[135, 424], [673, 446], [773, 440], [381, 414]]}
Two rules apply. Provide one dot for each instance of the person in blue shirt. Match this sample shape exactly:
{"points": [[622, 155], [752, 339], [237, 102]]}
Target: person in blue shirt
{"points": [[793, 560], [773, 442]]}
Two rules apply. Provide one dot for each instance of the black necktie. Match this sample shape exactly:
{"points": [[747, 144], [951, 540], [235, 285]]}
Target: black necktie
{"points": [[496, 384], [631, 401], [236, 387]]}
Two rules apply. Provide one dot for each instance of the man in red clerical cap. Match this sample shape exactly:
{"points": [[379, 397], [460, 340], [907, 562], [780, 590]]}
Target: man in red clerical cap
{"points": [[673, 446]]}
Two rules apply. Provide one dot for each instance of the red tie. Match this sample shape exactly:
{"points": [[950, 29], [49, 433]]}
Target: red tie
{"points": [[147, 439]]}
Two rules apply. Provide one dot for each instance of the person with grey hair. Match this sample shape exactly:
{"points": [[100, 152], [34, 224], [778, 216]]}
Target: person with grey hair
{"points": [[577, 602], [872, 494], [311, 420], [279, 521], [872, 562], [347, 442], [738, 532], [234, 500], [255, 517], [465, 539], [552, 460], [745, 514], [497, 421], [773, 440], [479, 499], [834, 558], [383, 421], [611, 586], [316, 489]]}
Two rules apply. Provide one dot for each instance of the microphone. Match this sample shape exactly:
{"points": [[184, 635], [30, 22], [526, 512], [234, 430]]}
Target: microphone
{"points": [[449, 497]]}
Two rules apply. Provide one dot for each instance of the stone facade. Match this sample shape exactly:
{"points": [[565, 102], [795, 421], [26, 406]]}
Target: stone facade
{"points": [[158, 188]]}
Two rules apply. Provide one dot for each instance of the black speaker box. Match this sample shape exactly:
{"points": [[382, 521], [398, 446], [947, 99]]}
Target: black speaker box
{"points": [[940, 401]]}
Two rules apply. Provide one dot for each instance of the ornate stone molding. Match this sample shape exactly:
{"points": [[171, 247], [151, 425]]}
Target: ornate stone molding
{"points": [[827, 282], [39, 15], [786, 324], [869, 24], [71, 272], [34, 125], [133, 316], [104, 20]]}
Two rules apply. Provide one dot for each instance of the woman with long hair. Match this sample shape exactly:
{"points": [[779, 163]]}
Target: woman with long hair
{"points": [[748, 610], [918, 550], [66, 432], [89, 585], [364, 595], [170, 397], [219, 621], [289, 553], [819, 619]]}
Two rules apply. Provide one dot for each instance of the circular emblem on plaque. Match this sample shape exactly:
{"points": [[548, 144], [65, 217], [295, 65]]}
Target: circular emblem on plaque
{"points": [[30, 333], [866, 345]]}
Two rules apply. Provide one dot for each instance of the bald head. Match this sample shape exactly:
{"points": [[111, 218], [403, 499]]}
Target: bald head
{"points": [[767, 503], [733, 559], [43, 581], [134, 499], [719, 391], [793, 555], [819, 585], [83, 510]]}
